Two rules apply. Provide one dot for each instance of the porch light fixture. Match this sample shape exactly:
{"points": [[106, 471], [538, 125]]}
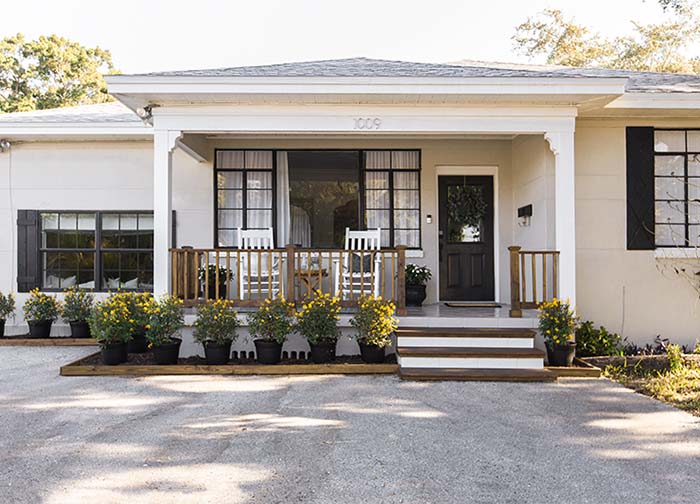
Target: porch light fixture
{"points": [[145, 113], [4, 145], [524, 215], [429, 219]]}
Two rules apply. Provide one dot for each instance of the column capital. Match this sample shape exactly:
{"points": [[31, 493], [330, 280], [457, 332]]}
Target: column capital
{"points": [[169, 137], [557, 140]]}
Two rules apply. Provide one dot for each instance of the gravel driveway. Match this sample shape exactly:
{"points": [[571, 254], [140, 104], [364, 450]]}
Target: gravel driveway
{"points": [[332, 439]]}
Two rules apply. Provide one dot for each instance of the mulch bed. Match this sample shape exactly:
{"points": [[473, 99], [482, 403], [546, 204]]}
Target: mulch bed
{"points": [[146, 359]]}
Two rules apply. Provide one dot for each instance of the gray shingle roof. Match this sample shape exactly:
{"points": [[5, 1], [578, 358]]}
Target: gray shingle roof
{"points": [[112, 112], [366, 67]]}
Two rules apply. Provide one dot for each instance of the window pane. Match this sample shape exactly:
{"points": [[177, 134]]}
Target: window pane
{"points": [[378, 219], [407, 237], [406, 218], [405, 160], [693, 235], [68, 221], [68, 238], [229, 159], [260, 199], [377, 160], [672, 212], [259, 219], [693, 189], [228, 238], [86, 222], [694, 212], [230, 218], [377, 199], [258, 159], [670, 235], [669, 141], [377, 180], [259, 180], [693, 141], [146, 221], [670, 188], [406, 199], [694, 165], [68, 269], [110, 221], [128, 239], [406, 180], [385, 240], [669, 165], [229, 180], [230, 199], [49, 227], [128, 222]]}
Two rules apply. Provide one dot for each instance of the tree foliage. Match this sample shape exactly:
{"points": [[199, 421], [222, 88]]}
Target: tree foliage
{"points": [[51, 72], [656, 47]]}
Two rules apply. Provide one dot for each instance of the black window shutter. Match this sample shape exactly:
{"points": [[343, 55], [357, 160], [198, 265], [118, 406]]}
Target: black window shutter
{"points": [[640, 188], [27, 250], [173, 232]]}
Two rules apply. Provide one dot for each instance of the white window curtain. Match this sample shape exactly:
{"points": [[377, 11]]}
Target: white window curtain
{"points": [[283, 212]]}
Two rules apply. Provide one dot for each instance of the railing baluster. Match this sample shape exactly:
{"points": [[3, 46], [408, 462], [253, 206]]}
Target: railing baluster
{"points": [[544, 277], [216, 281], [228, 274], [239, 283]]}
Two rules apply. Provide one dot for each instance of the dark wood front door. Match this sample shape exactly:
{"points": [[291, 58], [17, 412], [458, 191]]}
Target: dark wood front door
{"points": [[466, 238]]}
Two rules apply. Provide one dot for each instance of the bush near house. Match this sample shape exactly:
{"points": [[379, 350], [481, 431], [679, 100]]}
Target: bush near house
{"points": [[592, 341]]}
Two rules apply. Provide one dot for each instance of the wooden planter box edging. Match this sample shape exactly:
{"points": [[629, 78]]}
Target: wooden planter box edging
{"points": [[47, 342], [582, 369], [76, 368]]}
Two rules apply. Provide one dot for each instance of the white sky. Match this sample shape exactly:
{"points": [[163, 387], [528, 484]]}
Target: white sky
{"points": [[150, 35]]}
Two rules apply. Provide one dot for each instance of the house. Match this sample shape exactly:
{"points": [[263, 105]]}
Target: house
{"points": [[590, 172]]}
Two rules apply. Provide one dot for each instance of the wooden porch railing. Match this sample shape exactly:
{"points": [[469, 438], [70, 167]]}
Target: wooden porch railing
{"points": [[249, 276], [533, 278]]}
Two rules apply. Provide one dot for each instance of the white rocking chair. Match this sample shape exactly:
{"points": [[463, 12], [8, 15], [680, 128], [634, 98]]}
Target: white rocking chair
{"points": [[260, 273], [359, 274]]}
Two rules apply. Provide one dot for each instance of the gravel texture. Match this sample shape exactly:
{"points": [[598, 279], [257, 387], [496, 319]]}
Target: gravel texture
{"points": [[318, 439]]}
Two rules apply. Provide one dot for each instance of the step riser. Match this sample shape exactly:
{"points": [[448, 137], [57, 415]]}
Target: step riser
{"points": [[472, 362], [436, 341]]}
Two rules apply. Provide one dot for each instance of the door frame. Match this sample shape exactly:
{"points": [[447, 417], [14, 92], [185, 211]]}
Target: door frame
{"points": [[476, 170]]}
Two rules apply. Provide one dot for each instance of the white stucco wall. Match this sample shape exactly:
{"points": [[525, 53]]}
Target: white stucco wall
{"points": [[623, 290]]}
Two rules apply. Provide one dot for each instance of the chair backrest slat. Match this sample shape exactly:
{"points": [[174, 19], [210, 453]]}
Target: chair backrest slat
{"points": [[256, 239]]}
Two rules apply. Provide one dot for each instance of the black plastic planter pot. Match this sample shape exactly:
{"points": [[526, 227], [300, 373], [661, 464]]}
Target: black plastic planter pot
{"points": [[2, 328], [415, 295], [267, 352], [79, 329], [561, 355], [114, 353], [217, 354], [137, 344], [39, 328], [372, 354], [211, 290], [168, 353], [323, 351]]}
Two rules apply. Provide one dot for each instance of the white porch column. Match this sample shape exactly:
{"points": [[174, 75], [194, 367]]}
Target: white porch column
{"points": [[164, 142], [562, 145]]}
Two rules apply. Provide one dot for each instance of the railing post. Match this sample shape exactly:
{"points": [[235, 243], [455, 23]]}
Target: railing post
{"points": [[401, 280], [290, 294], [515, 308]]}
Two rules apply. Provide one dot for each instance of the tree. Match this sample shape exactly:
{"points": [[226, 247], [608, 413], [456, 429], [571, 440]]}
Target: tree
{"points": [[51, 72], [660, 47]]}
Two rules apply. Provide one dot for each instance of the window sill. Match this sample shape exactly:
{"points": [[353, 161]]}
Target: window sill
{"points": [[415, 253], [691, 253]]}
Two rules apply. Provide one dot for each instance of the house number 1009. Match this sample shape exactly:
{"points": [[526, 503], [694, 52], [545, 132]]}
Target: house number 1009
{"points": [[367, 123]]}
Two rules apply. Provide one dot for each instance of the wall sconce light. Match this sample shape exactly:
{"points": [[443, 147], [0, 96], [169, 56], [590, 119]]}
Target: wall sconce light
{"points": [[524, 215], [429, 219]]}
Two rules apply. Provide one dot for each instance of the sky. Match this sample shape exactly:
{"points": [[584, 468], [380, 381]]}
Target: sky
{"points": [[152, 35]]}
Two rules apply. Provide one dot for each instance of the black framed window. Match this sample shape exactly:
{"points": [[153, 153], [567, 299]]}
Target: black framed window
{"points": [[392, 196], [245, 193], [677, 187], [96, 250]]}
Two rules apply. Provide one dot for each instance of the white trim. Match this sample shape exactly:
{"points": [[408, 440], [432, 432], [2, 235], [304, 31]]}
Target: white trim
{"points": [[492, 171], [687, 253], [17, 130], [656, 101]]}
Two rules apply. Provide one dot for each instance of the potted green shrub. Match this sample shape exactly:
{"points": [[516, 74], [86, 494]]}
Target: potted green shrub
{"points": [[416, 279], [558, 323], [40, 310], [165, 319], [375, 323], [317, 321], [223, 274], [215, 328], [270, 325], [111, 327], [139, 304], [77, 305], [7, 310]]}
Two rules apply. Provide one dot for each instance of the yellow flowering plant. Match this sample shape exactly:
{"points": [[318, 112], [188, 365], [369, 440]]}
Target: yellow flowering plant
{"points": [[165, 319], [558, 321], [7, 305], [119, 316], [77, 304], [374, 321], [40, 306], [273, 321], [318, 318], [216, 322]]}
